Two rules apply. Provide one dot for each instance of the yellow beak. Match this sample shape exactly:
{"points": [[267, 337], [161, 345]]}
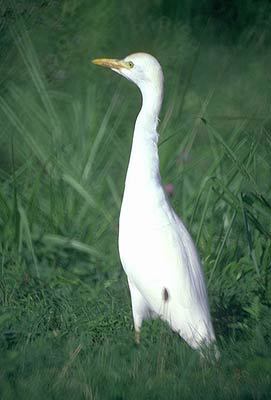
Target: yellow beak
{"points": [[112, 63]]}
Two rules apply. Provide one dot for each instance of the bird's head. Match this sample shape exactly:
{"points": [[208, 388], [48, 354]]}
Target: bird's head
{"points": [[141, 68]]}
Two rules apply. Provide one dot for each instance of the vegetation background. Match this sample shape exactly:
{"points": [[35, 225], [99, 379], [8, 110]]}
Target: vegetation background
{"points": [[66, 130]]}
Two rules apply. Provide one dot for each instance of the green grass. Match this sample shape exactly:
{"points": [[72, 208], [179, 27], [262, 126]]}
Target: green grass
{"points": [[66, 130]]}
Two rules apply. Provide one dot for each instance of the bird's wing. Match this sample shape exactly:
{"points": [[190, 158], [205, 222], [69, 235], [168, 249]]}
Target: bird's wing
{"points": [[192, 269]]}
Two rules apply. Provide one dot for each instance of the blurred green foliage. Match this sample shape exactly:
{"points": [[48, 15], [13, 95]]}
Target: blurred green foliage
{"points": [[229, 19]]}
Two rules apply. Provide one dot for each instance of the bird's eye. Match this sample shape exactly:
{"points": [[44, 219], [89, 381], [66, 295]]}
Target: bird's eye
{"points": [[131, 64]]}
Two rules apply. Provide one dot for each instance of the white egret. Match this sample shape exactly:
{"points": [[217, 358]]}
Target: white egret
{"points": [[157, 253]]}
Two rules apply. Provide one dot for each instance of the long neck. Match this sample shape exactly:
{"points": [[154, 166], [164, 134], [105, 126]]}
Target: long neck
{"points": [[144, 162]]}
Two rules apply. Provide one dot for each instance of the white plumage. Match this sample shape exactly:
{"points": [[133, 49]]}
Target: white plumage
{"points": [[157, 253]]}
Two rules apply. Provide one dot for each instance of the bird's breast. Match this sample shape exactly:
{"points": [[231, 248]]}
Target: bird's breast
{"points": [[146, 230], [148, 207]]}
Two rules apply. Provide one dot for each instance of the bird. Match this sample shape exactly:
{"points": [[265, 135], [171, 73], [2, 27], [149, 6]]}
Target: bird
{"points": [[158, 255]]}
